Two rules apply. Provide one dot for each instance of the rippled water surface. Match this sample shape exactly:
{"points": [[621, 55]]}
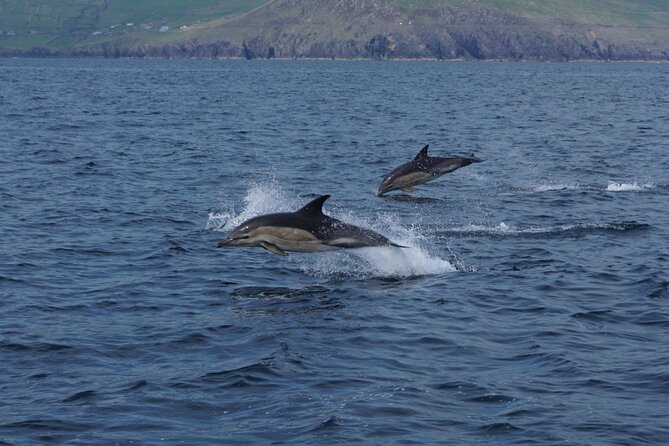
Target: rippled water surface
{"points": [[531, 308]]}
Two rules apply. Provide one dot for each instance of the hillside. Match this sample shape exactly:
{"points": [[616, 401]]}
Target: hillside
{"points": [[381, 29]]}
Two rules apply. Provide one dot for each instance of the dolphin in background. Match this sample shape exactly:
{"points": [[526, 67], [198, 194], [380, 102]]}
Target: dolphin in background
{"points": [[421, 169], [305, 230]]}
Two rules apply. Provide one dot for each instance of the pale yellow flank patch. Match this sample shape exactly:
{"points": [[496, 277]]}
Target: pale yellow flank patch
{"points": [[412, 178], [284, 233], [287, 239]]}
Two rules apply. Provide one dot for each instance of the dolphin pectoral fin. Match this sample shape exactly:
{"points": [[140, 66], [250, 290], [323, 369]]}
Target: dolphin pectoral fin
{"points": [[409, 189], [273, 248]]}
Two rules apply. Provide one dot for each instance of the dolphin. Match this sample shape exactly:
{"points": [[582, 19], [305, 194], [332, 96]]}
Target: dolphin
{"points": [[421, 169], [305, 230]]}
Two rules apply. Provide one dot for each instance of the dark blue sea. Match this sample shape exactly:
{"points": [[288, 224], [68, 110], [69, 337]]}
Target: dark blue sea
{"points": [[532, 307]]}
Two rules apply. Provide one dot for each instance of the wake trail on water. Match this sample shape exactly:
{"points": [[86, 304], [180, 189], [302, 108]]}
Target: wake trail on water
{"points": [[270, 197], [612, 186], [506, 230], [629, 187]]}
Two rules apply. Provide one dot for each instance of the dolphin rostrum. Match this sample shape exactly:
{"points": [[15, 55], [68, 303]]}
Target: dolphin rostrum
{"points": [[305, 230], [421, 169]]}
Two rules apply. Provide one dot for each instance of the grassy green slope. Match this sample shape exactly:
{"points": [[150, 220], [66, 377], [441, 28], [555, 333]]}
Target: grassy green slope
{"points": [[59, 24], [177, 12], [594, 14], [48, 17], [601, 12]]}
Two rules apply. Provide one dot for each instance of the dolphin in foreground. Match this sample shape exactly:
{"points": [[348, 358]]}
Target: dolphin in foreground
{"points": [[422, 169], [305, 230]]}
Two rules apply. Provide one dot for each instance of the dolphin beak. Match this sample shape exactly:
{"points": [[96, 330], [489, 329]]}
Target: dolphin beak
{"points": [[224, 243]]}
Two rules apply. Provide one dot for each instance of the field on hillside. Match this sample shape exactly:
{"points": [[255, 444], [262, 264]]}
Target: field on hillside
{"points": [[606, 12], [45, 23]]}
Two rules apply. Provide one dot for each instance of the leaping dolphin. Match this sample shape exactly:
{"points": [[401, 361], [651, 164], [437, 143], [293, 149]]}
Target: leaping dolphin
{"points": [[422, 169], [306, 230]]}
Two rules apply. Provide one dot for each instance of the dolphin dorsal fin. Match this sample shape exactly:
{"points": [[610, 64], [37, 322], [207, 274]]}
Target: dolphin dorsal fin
{"points": [[422, 153], [315, 206]]}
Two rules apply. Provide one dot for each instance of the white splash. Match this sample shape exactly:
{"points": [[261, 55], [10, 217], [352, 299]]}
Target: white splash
{"points": [[374, 262], [627, 187], [501, 228], [552, 187], [261, 198], [217, 221], [415, 260]]}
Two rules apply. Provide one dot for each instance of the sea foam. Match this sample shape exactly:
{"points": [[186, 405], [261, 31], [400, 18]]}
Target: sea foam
{"points": [[555, 186], [627, 187]]}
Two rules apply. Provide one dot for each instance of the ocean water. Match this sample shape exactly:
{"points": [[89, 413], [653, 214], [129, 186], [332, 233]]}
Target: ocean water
{"points": [[532, 306]]}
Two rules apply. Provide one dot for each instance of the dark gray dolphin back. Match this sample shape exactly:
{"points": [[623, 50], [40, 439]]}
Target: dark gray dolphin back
{"points": [[328, 228], [309, 218], [346, 235]]}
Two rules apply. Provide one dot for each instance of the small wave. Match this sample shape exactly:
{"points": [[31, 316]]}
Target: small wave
{"points": [[499, 429], [272, 292], [47, 425], [36, 348], [136, 385], [629, 187], [330, 422], [411, 199], [261, 373], [83, 395], [492, 398]]}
